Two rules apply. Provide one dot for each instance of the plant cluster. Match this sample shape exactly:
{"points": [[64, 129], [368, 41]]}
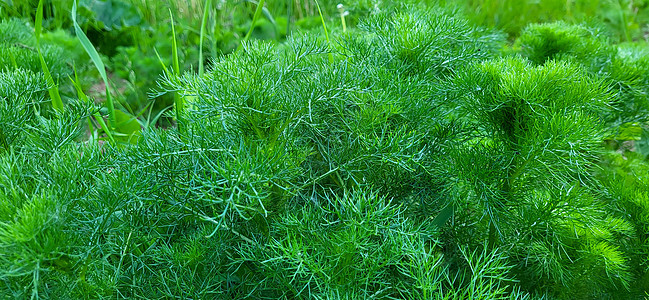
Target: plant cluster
{"points": [[19, 50], [410, 157], [133, 37]]}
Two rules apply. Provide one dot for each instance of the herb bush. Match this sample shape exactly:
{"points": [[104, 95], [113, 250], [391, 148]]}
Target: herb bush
{"points": [[624, 67], [527, 123], [403, 159], [18, 49]]}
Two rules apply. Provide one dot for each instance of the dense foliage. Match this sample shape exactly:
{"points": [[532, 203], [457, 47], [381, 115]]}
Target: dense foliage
{"points": [[415, 156]]}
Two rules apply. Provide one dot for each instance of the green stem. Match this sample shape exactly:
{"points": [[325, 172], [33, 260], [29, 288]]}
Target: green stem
{"points": [[627, 36], [341, 9], [258, 11], [178, 100], [208, 4], [324, 26]]}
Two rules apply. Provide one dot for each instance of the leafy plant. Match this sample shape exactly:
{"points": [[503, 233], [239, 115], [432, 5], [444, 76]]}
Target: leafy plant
{"points": [[19, 50], [414, 156], [527, 123], [623, 67]]}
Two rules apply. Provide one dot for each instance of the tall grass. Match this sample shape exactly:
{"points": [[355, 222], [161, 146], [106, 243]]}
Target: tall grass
{"points": [[99, 64], [512, 16], [53, 89], [201, 67]]}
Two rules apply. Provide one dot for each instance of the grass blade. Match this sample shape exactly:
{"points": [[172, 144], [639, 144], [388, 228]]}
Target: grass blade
{"points": [[94, 56], [52, 89], [201, 68], [174, 46], [178, 101], [324, 26], [164, 67], [38, 23], [258, 11]]}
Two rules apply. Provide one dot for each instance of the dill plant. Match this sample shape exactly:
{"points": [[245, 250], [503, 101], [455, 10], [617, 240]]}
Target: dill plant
{"points": [[19, 50], [534, 132], [624, 178], [624, 66], [36, 240], [301, 127], [405, 159]]}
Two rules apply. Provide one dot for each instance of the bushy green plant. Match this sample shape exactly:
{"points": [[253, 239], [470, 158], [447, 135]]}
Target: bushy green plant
{"points": [[624, 178], [562, 41], [18, 50], [37, 244], [430, 46], [624, 67], [401, 159], [21, 92], [525, 162]]}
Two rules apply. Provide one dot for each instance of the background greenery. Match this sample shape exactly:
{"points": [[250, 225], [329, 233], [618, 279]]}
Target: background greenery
{"points": [[439, 150]]}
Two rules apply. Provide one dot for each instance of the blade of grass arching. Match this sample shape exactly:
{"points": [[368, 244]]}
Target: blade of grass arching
{"points": [[94, 56], [178, 101], [164, 67], [324, 26], [271, 19], [201, 68], [53, 89], [255, 17]]}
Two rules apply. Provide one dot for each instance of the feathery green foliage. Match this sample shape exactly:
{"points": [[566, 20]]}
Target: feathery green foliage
{"points": [[19, 50], [21, 92], [406, 158], [624, 68], [526, 123]]}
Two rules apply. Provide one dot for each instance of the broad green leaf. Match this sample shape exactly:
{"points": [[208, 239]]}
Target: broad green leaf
{"points": [[444, 215], [127, 129]]}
